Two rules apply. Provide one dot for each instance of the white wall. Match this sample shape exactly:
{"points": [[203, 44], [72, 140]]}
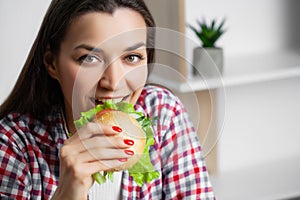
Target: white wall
{"points": [[19, 22], [261, 124], [252, 26]]}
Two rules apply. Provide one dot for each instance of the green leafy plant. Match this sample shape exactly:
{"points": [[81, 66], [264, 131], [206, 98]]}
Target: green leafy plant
{"points": [[208, 33]]}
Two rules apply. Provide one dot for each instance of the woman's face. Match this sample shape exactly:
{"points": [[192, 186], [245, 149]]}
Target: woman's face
{"points": [[102, 57]]}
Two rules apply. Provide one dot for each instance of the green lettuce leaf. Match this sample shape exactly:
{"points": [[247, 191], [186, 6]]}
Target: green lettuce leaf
{"points": [[143, 171]]}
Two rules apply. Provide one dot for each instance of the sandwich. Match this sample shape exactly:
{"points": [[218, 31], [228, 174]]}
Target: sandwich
{"points": [[137, 127]]}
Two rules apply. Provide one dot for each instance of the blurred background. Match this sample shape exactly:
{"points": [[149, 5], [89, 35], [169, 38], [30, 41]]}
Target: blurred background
{"points": [[247, 120]]}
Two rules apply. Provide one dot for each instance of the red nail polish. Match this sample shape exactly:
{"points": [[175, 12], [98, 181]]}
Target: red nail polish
{"points": [[116, 128], [122, 159], [129, 142], [129, 152]]}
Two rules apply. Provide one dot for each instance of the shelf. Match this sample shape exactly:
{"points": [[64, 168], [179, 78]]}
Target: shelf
{"points": [[240, 71]]}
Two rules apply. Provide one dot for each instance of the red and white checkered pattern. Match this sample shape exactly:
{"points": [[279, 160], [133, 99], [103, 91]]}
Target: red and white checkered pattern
{"points": [[29, 152]]}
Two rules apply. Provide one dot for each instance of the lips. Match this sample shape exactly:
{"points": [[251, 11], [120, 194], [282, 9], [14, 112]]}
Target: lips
{"points": [[102, 100]]}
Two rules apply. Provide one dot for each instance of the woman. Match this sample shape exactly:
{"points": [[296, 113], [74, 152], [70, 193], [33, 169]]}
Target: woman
{"points": [[88, 52]]}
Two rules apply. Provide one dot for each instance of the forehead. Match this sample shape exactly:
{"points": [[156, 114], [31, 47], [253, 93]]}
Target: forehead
{"points": [[97, 28]]}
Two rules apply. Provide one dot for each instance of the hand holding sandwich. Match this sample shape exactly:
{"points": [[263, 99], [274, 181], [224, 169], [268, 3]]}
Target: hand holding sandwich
{"points": [[95, 147], [108, 139]]}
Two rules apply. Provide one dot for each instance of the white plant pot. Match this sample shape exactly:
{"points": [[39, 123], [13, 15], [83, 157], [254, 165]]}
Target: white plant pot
{"points": [[208, 62]]}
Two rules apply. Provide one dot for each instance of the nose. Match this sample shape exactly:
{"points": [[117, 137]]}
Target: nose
{"points": [[112, 76]]}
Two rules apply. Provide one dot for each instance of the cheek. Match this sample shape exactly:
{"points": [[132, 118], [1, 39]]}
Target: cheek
{"points": [[136, 77], [88, 78], [84, 86], [67, 78]]}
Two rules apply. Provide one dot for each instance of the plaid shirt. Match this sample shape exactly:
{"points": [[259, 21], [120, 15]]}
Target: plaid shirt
{"points": [[29, 152]]}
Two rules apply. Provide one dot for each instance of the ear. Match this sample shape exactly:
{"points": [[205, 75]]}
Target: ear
{"points": [[50, 63]]}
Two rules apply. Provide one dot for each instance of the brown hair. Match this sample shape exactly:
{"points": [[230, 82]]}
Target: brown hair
{"points": [[35, 92]]}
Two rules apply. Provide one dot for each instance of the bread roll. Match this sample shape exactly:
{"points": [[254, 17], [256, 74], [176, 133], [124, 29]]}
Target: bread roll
{"points": [[131, 130]]}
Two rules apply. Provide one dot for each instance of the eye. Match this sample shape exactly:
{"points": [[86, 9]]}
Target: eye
{"points": [[134, 58], [90, 59]]}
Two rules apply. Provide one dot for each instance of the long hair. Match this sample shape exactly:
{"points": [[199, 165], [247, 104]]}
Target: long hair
{"points": [[35, 92]]}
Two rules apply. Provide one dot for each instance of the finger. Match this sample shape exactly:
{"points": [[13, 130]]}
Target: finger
{"points": [[100, 155], [105, 160], [97, 142], [94, 167], [117, 142], [94, 129]]}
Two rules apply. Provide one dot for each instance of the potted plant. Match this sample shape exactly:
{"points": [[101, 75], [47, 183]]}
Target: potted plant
{"points": [[208, 56]]}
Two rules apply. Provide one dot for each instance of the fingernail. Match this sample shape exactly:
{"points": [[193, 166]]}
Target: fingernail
{"points": [[123, 159], [116, 128], [129, 142], [129, 152]]}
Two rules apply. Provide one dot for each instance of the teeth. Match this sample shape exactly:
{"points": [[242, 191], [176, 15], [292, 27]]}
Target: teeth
{"points": [[117, 100]]}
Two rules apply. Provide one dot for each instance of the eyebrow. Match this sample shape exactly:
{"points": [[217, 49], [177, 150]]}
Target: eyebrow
{"points": [[99, 50], [135, 46], [89, 48]]}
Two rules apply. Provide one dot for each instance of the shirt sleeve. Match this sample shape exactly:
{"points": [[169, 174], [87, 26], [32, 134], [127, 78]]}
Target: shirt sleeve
{"points": [[184, 170], [14, 173]]}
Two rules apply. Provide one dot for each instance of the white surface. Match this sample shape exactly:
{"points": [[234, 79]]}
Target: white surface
{"points": [[19, 22], [259, 151], [261, 124], [242, 70], [270, 181]]}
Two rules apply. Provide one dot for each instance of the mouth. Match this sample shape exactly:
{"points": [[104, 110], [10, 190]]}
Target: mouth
{"points": [[102, 100]]}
